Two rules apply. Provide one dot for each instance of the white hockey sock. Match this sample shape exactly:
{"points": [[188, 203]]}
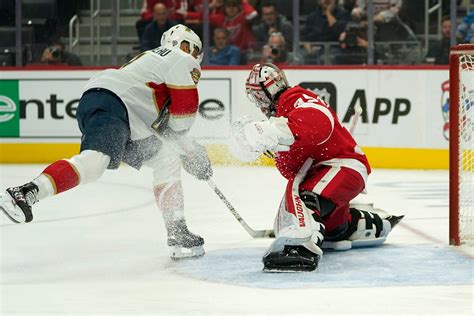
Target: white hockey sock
{"points": [[45, 187]]}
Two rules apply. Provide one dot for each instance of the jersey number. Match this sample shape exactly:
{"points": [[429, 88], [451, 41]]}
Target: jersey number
{"points": [[132, 60], [161, 51], [308, 101]]}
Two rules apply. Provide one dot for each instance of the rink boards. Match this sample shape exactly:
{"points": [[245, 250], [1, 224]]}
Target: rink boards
{"points": [[404, 123]]}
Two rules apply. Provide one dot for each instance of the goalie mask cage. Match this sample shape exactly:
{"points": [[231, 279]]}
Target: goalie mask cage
{"points": [[461, 145]]}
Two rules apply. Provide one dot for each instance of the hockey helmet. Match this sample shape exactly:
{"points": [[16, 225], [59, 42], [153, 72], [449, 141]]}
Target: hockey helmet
{"points": [[264, 85], [177, 34]]}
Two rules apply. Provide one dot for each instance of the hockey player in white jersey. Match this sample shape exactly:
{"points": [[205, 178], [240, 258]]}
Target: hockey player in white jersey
{"points": [[138, 114]]}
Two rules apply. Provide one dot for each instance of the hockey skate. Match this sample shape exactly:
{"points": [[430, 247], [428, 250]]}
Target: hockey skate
{"points": [[183, 243], [16, 202], [366, 229]]}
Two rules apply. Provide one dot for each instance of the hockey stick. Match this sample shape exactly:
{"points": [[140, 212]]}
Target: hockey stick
{"points": [[357, 114], [254, 233]]}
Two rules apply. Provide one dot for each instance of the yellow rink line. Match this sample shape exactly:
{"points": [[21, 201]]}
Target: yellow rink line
{"points": [[392, 158]]}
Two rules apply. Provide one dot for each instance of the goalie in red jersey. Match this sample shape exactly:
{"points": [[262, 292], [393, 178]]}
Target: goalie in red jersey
{"points": [[324, 166]]}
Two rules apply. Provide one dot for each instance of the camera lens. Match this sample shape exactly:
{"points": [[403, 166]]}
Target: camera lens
{"points": [[275, 51], [55, 52]]}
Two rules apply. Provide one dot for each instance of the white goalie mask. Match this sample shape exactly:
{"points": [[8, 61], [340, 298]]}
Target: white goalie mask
{"points": [[263, 86], [178, 34]]}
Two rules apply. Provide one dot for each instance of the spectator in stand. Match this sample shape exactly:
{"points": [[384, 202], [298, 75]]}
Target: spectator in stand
{"points": [[389, 25], [223, 53], [465, 30], [384, 10], [276, 52], [353, 45], [326, 23], [7, 13], [194, 15], [216, 12], [146, 14], [348, 5], [239, 27], [271, 22], [438, 52], [152, 35], [56, 54]]}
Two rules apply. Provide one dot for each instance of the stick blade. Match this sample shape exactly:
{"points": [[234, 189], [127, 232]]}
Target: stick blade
{"points": [[265, 233]]}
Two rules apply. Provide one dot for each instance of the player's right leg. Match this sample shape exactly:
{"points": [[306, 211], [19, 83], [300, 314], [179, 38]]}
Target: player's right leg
{"points": [[334, 188], [170, 200], [299, 232], [298, 237], [366, 228], [103, 122]]}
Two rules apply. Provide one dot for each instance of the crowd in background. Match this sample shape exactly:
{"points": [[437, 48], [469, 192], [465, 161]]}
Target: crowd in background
{"points": [[249, 31]]}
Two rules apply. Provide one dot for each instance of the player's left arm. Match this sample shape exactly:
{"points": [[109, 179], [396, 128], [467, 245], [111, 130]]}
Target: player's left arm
{"points": [[181, 80], [194, 157], [311, 125], [311, 121]]}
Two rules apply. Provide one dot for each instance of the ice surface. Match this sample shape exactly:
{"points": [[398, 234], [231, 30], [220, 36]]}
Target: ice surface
{"points": [[101, 249], [388, 265]]}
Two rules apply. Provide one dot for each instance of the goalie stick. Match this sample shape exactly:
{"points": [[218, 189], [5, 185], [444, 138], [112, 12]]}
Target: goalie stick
{"points": [[266, 233], [269, 233], [357, 114]]}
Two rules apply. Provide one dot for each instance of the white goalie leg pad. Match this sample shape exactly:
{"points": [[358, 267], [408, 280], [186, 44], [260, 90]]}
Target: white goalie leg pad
{"points": [[363, 236], [300, 229]]}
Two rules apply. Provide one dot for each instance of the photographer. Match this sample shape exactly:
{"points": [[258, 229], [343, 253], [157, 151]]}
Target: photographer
{"points": [[275, 51], [353, 45], [55, 54], [325, 23]]}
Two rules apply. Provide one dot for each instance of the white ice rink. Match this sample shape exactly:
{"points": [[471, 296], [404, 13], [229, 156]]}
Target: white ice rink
{"points": [[101, 249]]}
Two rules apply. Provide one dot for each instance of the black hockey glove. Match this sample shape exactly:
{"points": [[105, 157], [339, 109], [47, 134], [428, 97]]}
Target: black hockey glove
{"points": [[197, 163]]}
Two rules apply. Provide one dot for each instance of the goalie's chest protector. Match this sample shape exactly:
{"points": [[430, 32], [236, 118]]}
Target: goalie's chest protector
{"points": [[149, 82], [318, 135]]}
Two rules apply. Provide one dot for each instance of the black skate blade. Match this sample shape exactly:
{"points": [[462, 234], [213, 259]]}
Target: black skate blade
{"points": [[289, 268], [186, 258], [394, 220]]}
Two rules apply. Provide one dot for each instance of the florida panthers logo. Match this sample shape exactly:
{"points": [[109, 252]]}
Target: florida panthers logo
{"points": [[195, 75]]}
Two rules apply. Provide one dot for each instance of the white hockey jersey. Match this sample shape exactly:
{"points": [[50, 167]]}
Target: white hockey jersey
{"points": [[150, 81]]}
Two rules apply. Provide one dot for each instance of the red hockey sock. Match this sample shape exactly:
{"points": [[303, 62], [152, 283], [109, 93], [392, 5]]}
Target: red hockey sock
{"points": [[169, 198], [63, 175]]}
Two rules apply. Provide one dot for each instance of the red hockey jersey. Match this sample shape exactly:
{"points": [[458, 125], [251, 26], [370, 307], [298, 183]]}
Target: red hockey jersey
{"points": [[240, 32], [318, 135]]}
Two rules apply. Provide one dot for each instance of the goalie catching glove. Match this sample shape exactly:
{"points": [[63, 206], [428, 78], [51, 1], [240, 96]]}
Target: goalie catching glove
{"points": [[250, 139]]}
